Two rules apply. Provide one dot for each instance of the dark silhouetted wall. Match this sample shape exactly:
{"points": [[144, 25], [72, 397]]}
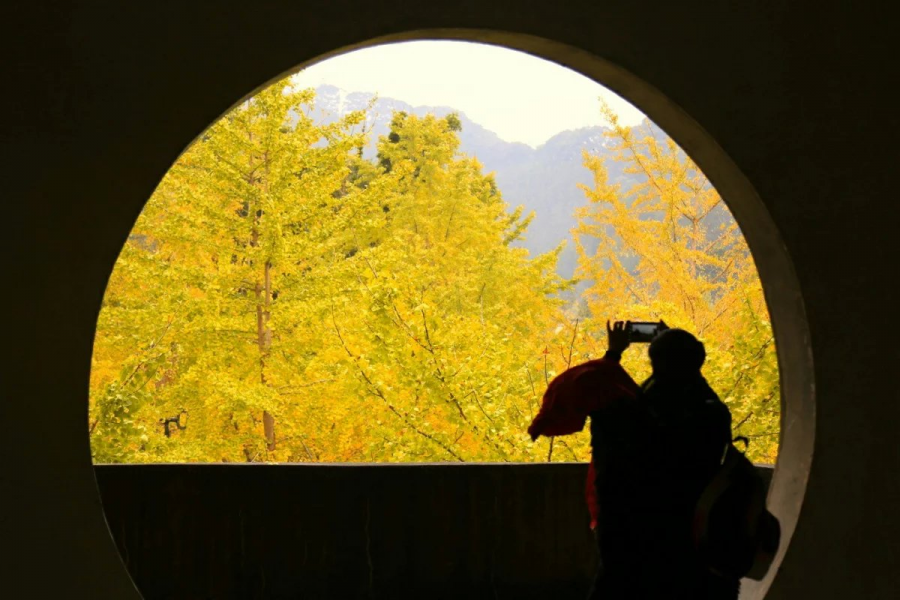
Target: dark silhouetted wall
{"points": [[99, 98], [353, 531]]}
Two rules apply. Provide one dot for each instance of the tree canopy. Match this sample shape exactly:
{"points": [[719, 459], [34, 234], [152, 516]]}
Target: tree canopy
{"points": [[283, 299]]}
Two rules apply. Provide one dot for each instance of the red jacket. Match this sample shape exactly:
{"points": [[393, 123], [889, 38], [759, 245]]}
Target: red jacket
{"points": [[572, 396]]}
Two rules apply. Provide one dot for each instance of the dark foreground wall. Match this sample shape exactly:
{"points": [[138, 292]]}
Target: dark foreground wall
{"points": [[352, 531], [789, 108]]}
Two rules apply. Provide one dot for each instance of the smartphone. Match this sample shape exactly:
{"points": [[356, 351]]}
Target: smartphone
{"points": [[642, 331]]}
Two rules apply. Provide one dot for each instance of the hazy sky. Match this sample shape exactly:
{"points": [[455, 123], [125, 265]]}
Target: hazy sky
{"points": [[519, 97]]}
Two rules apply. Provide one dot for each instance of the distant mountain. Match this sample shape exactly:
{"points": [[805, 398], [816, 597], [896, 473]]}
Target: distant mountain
{"points": [[547, 182], [475, 140], [544, 179]]}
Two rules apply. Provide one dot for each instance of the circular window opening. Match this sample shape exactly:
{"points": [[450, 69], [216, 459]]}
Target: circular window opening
{"points": [[132, 421], [358, 264]]}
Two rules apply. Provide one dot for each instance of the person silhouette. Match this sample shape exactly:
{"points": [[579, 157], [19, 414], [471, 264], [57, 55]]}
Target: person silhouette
{"points": [[654, 449]]}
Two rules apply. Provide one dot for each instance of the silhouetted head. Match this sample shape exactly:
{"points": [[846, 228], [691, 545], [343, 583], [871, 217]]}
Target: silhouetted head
{"points": [[676, 354]]}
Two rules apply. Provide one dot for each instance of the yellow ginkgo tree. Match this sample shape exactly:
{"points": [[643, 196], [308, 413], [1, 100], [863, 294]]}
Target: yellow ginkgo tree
{"points": [[284, 299], [667, 248]]}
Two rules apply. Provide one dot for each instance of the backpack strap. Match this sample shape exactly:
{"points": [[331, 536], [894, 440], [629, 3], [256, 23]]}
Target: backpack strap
{"points": [[720, 481]]}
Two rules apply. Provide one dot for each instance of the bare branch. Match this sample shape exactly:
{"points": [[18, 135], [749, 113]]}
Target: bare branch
{"points": [[572, 344], [744, 420]]}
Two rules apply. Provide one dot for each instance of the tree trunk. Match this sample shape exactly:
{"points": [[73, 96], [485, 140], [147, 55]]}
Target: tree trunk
{"points": [[269, 428], [263, 333], [264, 341]]}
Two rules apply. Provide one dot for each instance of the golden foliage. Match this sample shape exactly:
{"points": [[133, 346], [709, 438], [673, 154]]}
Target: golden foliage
{"points": [[282, 299]]}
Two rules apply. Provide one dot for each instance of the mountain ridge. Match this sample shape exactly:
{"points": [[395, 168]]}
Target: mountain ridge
{"points": [[544, 180]]}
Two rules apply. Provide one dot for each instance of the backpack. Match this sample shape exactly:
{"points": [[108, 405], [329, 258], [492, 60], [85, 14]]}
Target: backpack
{"points": [[733, 531]]}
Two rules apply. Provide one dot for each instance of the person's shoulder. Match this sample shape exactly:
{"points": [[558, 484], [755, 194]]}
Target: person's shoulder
{"points": [[715, 405], [715, 409], [709, 398], [705, 390]]}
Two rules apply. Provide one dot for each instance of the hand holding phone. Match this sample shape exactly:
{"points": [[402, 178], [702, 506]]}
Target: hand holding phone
{"points": [[617, 336]]}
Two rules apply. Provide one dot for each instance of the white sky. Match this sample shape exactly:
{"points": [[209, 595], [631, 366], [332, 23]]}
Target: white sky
{"points": [[519, 97]]}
